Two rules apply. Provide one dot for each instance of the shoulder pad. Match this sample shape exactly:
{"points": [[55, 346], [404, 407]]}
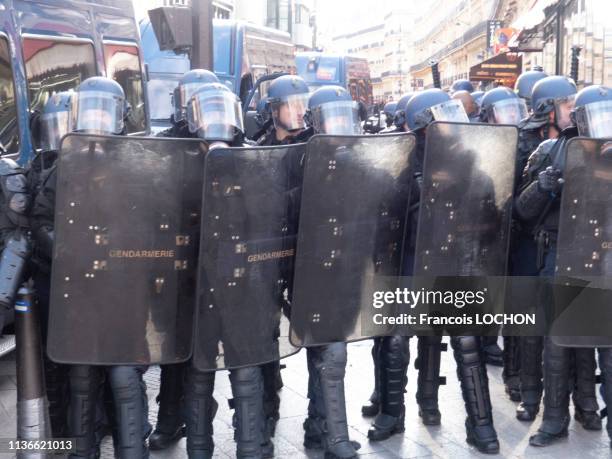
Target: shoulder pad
{"points": [[9, 167], [542, 154]]}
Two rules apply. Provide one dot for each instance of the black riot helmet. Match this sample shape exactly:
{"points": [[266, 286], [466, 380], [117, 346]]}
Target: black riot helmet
{"points": [[99, 107], [502, 106], [287, 101], [214, 114], [433, 105], [331, 110], [389, 112], [554, 93], [461, 85], [399, 119], [54, 121], [525, 83], [189, 83], [592, 113]]}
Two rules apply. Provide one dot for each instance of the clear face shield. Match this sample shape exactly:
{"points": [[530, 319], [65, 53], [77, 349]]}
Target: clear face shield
{"points": [[97, 112], [337, 118], [215, 116], [509, 111], [182, 96], [595, 120], [563, 110], [451, 110], [54, 126], [288, 113]]}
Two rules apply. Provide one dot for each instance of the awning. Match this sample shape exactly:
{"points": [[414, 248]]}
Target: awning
{"points": [[534, 16], [503, 68], [528, 39]]}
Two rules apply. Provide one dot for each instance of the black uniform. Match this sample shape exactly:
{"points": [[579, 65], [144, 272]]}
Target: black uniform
{"points": [[540, 209]]}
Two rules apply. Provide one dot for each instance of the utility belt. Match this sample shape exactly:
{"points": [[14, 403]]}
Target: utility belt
{"points": [[545, 240]]}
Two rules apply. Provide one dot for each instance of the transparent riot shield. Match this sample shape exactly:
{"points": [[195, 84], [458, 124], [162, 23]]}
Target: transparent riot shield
{"points": [[582, 311], [247, 248], [465, 213], [127, 215], [352, 226]]}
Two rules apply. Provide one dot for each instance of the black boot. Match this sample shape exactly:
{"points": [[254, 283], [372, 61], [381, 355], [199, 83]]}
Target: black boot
{"points": [[331, 365], [131, 411], [586, 408], [170, 426], [511, 372], [272, 382], [395, 357], [493, 354], [531, 377], [429, 379], [472, 374], [199, 412], [249, 419], [56, 382], [556, 395], [85, 387], [605, 366], [372, 408]]}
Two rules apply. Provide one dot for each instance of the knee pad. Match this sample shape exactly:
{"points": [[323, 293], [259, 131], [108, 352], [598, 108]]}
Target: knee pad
{"points": [[246, 382], [396, 351], [467, 349]]}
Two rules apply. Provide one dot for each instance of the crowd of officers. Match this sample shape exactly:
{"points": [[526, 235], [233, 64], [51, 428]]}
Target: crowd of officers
{"points": [[89, 402]]}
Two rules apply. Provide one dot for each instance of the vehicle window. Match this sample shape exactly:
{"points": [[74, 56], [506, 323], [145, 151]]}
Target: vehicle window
{"points": [[53, 66], [323, 70], [123, 66], [222, 52], [9, 130]]}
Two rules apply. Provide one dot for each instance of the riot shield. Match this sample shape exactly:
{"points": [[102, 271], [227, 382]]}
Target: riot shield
{"points": [[127, 216], [352, 221], [583, 277], [465, 210], [249, 225]]}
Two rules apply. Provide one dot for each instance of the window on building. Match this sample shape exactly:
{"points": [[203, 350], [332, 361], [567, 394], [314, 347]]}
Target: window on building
{"points": [[123, 66], [9, 130], [54, 66], [272, 16]]}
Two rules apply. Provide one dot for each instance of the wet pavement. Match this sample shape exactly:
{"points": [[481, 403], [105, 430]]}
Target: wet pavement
{"points": [[418, 441]]}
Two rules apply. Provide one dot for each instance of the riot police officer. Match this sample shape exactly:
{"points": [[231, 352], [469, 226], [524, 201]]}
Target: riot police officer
{"points": [[48, 128], [389, 112], [461, 85], [422, 109], [503, 106], [551, 100], [538, 204], [286, 105], [214, 114], [170, 425], [525, 83], [330, 111], [99, 107], [592, 115]]}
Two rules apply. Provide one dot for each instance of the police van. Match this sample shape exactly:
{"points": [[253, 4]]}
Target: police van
{"points": [[47, 46]]}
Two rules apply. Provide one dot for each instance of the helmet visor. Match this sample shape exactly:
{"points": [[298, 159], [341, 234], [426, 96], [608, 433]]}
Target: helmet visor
{"points": [[337, 118], [97, 112], [563, 109], [215, 115], [288, 113], [451, 110], [53, 126], [595, 120], [509, 111], [182, 95]]}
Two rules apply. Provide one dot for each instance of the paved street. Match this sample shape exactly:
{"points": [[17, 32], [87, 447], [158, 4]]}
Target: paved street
{"points": [[445, 441]]}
